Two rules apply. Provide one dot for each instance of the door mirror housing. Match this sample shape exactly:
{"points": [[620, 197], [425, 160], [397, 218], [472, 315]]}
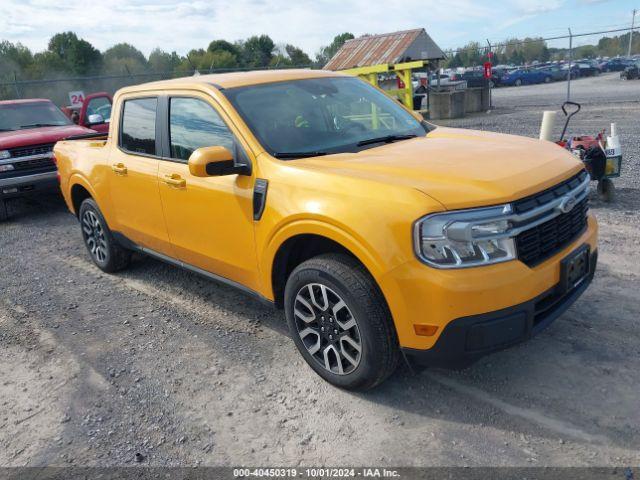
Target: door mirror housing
{"points": [[95, 119], [215, 162]]}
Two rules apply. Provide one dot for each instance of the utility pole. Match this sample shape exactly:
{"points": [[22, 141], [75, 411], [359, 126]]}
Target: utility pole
{"points": [[490, 55], [633, 20], [570, 62]]}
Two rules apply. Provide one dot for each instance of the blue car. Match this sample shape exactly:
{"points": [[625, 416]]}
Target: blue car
{"points": [[615, 65], [525, 76]]}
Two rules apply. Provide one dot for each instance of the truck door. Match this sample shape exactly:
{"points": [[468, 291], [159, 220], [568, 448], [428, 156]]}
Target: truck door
{"points": [[209, 220], [133, 177], [96, 112]]}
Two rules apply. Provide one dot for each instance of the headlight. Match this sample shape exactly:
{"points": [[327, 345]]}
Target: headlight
{"points": [[4, 154], [465, 238]]}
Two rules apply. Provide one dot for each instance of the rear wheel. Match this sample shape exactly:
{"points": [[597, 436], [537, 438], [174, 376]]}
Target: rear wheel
{"points": [[518, 82], [3, 211], [547, 79], [103, 248], [340, 322]]}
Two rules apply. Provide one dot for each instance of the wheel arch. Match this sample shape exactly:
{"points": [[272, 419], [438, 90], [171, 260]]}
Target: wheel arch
{"points": [[78, 189], [303, 241], [79, 193]]}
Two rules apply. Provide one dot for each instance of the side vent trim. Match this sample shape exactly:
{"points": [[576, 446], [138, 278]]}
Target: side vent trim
{"points": [[259, 197]]}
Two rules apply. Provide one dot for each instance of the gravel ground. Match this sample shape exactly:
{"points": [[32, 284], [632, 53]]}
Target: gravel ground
{"points": [[156, 366]]}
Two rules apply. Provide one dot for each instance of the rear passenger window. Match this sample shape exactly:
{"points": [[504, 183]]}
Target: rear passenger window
{"points": [[193, 124], [139, 126]]}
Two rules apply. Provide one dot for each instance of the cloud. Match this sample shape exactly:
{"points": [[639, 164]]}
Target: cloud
{"points": [[182, 25], [529, 7]]}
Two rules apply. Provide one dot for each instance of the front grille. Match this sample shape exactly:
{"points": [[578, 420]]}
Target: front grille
{"points": [[31, 150], [30, 167], [539, 199], [538, 243], [35, 164]]}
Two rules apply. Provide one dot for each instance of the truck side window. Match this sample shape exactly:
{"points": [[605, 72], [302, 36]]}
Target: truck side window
{"points": [[193, 123], [139, 126]]}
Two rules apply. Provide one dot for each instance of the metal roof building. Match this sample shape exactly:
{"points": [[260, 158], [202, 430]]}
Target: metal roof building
{"points": [[387, 48]]}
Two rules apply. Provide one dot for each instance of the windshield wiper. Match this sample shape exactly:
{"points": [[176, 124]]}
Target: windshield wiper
{"points": [[285, 155], [37, 125], [385, 139]]}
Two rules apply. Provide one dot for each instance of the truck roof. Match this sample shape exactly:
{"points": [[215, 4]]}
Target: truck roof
{"points": [[234, 79], [26, 100]]}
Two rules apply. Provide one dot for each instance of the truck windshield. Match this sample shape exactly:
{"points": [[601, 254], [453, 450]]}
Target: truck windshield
{"points": [[320, 116], [18, 116]]}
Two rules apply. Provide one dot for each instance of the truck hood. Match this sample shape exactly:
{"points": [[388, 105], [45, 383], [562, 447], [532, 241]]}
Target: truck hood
{"points": [[39, 136], [459, 168]]}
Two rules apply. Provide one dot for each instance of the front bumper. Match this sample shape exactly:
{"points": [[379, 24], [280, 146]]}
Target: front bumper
{"points": [[420, 296], [28, 184], [465, 340]]}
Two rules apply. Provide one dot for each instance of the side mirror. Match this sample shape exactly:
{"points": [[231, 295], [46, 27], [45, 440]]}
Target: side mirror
{"points": [[95, 119], [215, 162]]}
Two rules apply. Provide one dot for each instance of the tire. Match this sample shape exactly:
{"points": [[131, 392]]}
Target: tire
{"points": [[606, 190], [102, 247], [313, 291], [3, 211], [518, 82]]}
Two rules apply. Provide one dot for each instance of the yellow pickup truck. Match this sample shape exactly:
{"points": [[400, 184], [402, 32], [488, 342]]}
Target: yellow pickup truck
{"points": [[380, 235]]}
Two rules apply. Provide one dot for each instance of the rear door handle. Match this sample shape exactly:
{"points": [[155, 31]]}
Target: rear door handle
{"points": [[119, 168], [175, 180]]}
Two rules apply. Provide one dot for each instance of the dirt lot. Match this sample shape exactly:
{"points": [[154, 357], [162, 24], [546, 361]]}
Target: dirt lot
{"points": [[155, 361]]}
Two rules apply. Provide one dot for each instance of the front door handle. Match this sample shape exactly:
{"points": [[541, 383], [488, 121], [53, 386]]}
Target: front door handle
{"points": [[175, 180], [119, 168]]}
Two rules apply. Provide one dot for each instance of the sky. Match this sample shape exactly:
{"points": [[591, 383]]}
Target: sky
{"points": [[182, 25]]}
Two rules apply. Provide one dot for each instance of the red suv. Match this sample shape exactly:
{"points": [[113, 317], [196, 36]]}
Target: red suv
{"points": [[28, 131]]}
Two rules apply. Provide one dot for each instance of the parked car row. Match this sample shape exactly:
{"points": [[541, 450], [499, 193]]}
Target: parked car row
{"points": [[507, 75]]}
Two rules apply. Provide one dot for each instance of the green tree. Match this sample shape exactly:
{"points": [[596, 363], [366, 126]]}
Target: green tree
{"points": [[14, 57], [77, 55], [161, 61], [326, 53], [124, 57], [297, 56], [258, 51], [224, 46]]}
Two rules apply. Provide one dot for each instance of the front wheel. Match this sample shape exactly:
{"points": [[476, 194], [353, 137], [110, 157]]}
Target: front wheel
{"points": [[103, 248], [340, 322], [547, 79], [518, 82]]}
